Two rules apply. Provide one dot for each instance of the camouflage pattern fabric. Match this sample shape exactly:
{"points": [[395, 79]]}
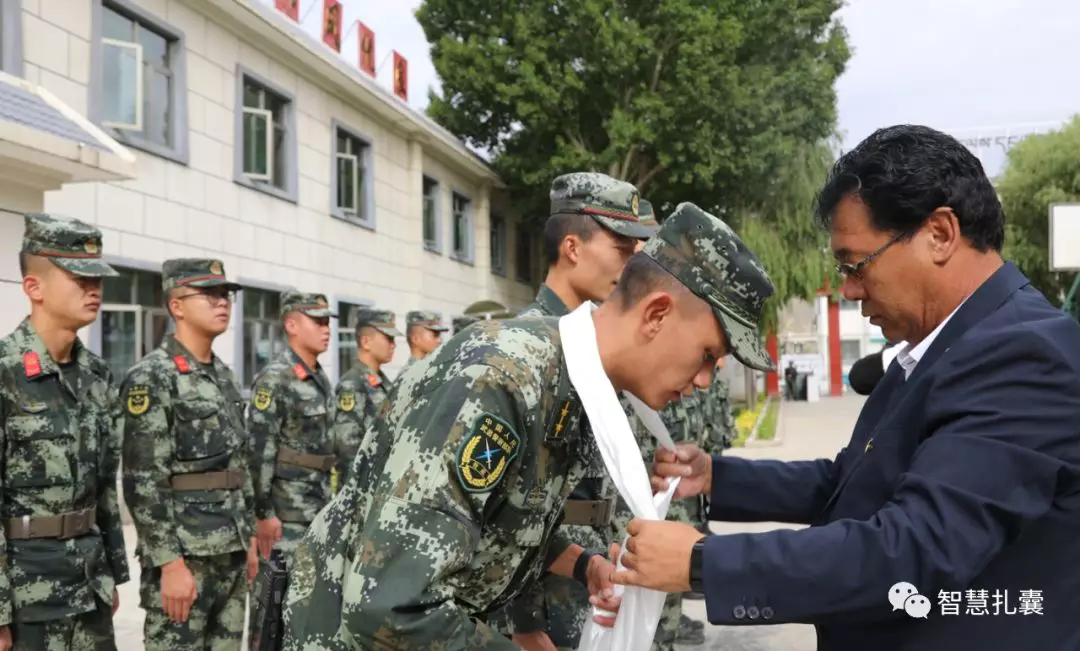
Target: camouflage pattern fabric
{"points": [[359, 396], [69, 243], [194, 272], [313, 305], [720, 423], [61, 454], [92, 631], [428, 319], [217, 616], [291, 409], [381, 320], [460, 511], [181, 417], [647, 217], [614, 204], [706, 256]]}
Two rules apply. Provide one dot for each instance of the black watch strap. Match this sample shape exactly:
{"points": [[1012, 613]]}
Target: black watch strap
{"points": [[697, 567], [581, 567]]}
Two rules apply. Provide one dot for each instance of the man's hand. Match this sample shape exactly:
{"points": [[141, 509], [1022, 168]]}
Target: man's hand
{"points": [[601, 589], [5, 638], [252, 561], [687, 461], [115, 601], [658, 555], [538, 641], [177, 590], [268, 532]]}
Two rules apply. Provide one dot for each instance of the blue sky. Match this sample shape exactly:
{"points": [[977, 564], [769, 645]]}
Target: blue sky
{"points": [[987, 67]]}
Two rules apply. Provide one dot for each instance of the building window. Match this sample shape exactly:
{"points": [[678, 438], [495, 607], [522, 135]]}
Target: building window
{"points": [[266, 134], [462, 229], [133, 318], [524, 254], [850, 351], [498, 246], [849, 305], [263, 334], [352, 177], [140, 92], [11, 37], [346, 336], [431, 214]]}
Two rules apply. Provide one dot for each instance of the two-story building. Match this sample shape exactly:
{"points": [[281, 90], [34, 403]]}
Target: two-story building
{"points": [[244, 138]]}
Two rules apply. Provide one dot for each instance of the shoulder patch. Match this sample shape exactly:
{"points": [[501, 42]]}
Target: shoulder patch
{"points": [[347, 401], [373, 380], [486, 452], [31, 364], [138, 399], [301, 374], [181, 364], [262, 398]]}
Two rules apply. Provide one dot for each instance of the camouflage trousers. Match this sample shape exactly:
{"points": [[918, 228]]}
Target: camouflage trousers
{"points": [[216, 621], [291, 535], [91, 631]]}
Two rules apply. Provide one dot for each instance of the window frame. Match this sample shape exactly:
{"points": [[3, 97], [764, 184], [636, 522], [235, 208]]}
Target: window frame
{"points": [[367, 181], [239, 325], [498, 241], [11, 53], [96, 328], [289, 191], [336, 326], [469, 254], [436, 245], [179, 151]]}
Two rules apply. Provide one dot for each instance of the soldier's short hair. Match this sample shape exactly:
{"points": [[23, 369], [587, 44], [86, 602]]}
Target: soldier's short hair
{"points": [[641, 276], [559, 227]]}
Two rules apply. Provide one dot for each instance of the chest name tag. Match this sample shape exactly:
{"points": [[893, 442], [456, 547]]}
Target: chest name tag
{"points": [[486, 452]]}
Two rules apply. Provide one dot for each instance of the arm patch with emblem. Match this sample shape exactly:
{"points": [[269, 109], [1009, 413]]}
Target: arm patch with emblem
{"points": [[138, 399], [262, 398], [485, 453], [347, 401]]}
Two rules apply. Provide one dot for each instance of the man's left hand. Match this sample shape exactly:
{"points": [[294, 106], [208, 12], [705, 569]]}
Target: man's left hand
{"points": [[658, 555], [601, 589]]}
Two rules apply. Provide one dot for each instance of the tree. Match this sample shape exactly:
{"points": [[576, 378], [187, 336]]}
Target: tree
{"points": [[689, 100], [1040, 170]]}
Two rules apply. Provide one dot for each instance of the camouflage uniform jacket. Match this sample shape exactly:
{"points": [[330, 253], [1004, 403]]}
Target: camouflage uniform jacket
{"points": [[61, 454], [360, 394], [290, 412], [180, 418], [462, 509], [720, 423], [534, 609]]}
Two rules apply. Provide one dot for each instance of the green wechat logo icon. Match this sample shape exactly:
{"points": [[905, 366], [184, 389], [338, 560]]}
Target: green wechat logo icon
{"points": [[904, 596]]}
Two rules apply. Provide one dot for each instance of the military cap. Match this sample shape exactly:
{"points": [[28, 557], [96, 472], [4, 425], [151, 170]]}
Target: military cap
{"points": [[381, 320], [430, 320], [647, 217], [704, 254], [68, 243], [313, 305], [614, 204], [194, 272]]}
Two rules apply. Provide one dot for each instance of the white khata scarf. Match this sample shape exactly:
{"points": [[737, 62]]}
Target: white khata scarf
{"points": [[641, 608]]}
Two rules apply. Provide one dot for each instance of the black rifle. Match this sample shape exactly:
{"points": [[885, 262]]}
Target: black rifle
{"points": [[268, 629]]}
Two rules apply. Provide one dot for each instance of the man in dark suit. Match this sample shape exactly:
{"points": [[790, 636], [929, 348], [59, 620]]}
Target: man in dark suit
{"points": [[961, 481]]}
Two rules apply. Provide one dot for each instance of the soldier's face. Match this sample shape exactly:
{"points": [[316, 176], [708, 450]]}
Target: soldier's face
{"points": [[312, 333], [379, 345], [682, 341], [600, 262], [207, 309], [426, 340], [71, 300]]}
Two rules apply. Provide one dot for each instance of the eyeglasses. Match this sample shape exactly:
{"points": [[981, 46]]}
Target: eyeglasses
{"points": [[213, 298], [854, 269]]}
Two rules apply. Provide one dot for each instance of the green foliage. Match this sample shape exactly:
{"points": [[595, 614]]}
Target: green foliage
{"points": [[690, 100], [1041, 170]]}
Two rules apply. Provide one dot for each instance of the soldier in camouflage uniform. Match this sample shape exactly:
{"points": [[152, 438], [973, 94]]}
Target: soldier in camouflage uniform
{"points": [[423, 331], [592, 231], [362, 390], [289, 418], [58, 573], [186, 479], [460, 511]]}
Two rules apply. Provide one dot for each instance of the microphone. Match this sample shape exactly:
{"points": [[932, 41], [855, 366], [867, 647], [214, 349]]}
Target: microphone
{"points": [[866, 373]]}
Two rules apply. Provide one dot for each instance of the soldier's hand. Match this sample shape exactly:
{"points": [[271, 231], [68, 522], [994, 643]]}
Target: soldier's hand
{"points": [[115, 601], [687, 461], [268, 532], [177, 590], [601, 588], [538, 641], [5, 638]]}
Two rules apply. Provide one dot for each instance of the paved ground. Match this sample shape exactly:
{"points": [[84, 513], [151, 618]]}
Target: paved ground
{"points": [[807, 431]]}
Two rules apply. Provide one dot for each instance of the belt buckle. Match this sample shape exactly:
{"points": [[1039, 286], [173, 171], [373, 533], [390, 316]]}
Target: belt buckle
{"points": [[72, 523], [606, 511]]}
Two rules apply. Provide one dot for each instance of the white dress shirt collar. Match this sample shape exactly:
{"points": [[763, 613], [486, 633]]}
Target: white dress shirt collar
{"points": [[908, 356]]}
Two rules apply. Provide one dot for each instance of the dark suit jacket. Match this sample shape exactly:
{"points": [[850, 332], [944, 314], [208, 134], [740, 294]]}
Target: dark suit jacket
{"points": [[972, 481]]}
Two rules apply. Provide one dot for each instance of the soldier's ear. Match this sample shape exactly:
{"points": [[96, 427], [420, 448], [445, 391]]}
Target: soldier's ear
{"points": [[571, 248], [32, 287], [656, 307]]}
